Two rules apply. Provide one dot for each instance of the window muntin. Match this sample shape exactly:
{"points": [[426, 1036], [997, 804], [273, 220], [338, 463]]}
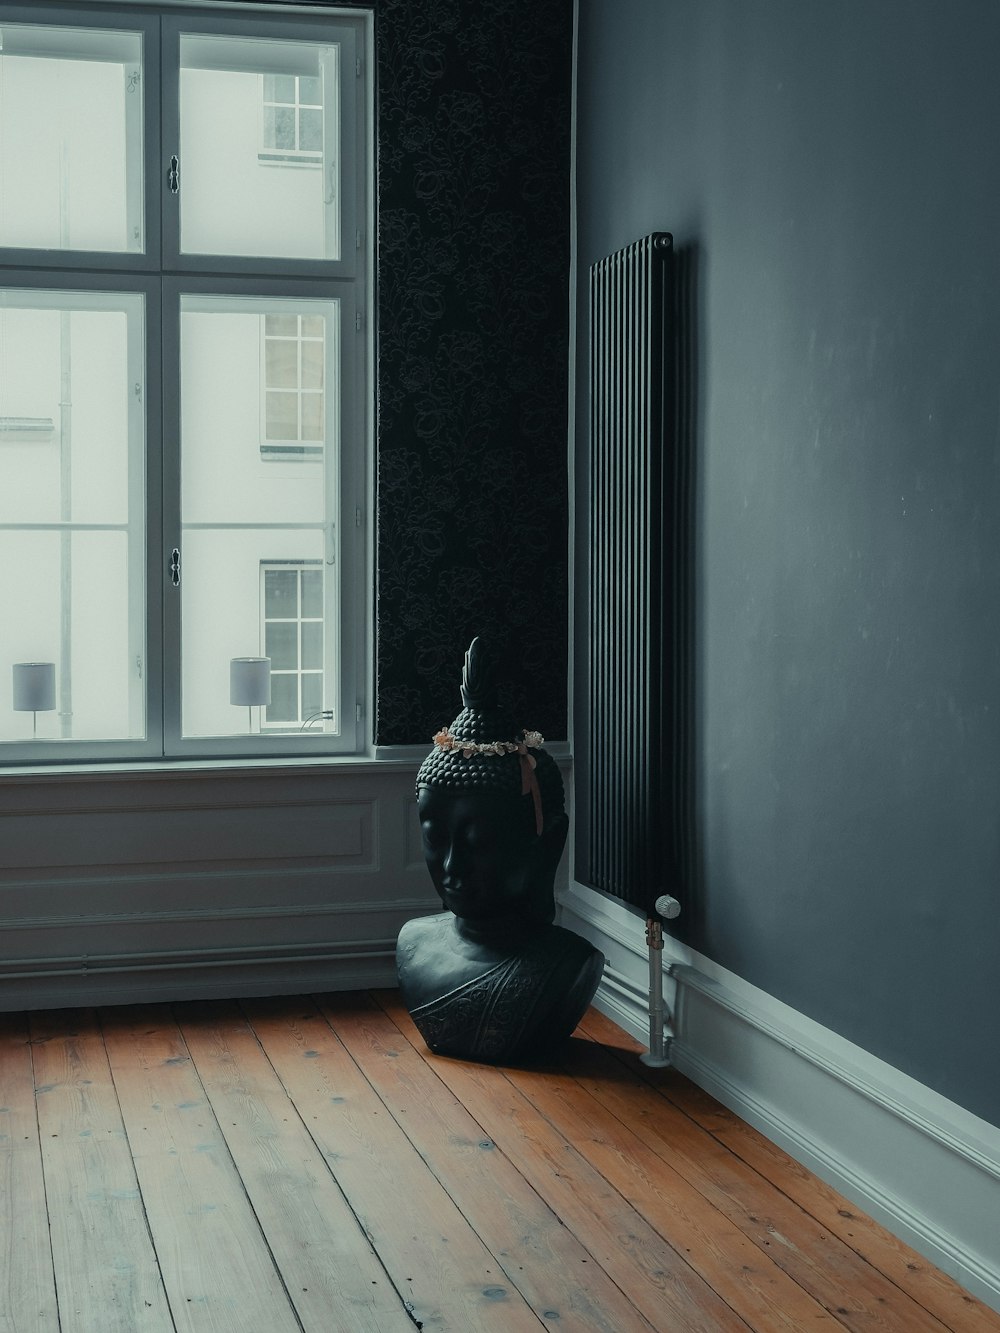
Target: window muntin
{"points": [[71, 138]]}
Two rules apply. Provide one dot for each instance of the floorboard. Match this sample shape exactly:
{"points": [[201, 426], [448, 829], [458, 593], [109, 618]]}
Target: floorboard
{"points": [[219, 1274], [305, 1165], [28, 1288], [877, 1249], [106, 1269], [553, 1271]]}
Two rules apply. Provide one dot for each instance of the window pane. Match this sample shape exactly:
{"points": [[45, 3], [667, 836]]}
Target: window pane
{"points": [[227, 416], [281, 645], [282, 416], [223, 615], [282, 88], [312, 416], [312, 645], [312, 365], [311, 90], [281, 594], [72, 449], [281, 363], [312, 694], [310, 129], [284, 128], [70, 138], [284, 705], [312, 592], [286, 326], [250, 527], [243, 191]]}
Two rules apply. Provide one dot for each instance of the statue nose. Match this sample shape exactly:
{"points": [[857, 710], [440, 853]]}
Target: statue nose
{"points": [[453, 863]]}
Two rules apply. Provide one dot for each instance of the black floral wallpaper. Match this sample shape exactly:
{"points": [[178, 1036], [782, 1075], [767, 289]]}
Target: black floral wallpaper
{"points": [[473, 265]]}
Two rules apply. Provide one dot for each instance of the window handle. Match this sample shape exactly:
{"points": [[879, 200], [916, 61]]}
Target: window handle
{"points": [[174, 174], [175, 566]]}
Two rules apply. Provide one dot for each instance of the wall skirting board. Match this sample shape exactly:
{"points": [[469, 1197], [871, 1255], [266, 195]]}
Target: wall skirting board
{"points": [[918, 1163]]}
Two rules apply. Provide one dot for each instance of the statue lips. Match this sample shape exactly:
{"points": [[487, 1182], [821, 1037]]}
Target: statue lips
{"points": [[459, 895]]}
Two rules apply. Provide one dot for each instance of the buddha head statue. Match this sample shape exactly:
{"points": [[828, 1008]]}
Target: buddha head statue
{"points": [[491, 808]]}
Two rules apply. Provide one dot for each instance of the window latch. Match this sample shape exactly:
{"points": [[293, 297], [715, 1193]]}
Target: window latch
{"points": [[175, 567], [174, 174]]}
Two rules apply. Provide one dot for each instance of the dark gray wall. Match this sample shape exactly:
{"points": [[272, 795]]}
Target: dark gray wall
{"points": [[831, 174]]}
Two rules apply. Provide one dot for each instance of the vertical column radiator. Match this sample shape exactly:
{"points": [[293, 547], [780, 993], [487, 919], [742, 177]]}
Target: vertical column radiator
{"points": [[630, 809]]}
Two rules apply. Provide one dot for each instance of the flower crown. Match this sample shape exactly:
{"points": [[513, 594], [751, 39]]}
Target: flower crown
{"points": [[444, 740]]}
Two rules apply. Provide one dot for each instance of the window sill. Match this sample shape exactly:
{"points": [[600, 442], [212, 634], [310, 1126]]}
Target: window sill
{"points": [[382, 759]]}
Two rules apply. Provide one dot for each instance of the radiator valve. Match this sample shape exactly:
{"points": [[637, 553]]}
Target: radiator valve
{"points": [[667, 907]]}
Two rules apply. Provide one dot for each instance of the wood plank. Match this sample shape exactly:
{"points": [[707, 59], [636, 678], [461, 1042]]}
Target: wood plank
{"points": [[27, 1282], [659, 1280], [749, 1276], [449, 1279], [333, 1276], [216, 1265], [107, 1272], [922, 1281], [548, 1265], [822, 1265]]}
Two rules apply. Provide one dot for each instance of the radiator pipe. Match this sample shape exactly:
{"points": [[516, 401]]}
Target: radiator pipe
{"points": [[656, 1057]]}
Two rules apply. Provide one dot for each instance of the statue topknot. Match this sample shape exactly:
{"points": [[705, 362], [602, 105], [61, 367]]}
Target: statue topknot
{"points": [[484, 750]]}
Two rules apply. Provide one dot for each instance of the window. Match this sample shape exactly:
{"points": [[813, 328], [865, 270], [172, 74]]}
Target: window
{"points": [[294, 377], [292, 119], [185, 401], [293, 640]]}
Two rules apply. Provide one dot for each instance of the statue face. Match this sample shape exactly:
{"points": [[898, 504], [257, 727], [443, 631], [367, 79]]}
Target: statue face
{"points": [[480, 851]]}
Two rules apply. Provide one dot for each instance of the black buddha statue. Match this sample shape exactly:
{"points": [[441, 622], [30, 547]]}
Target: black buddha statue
{"points": [[491, 978]]}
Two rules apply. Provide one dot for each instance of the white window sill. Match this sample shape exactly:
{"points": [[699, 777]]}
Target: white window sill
{"points": [[382, 758]]}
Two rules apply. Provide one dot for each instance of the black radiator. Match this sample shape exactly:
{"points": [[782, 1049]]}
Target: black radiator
{"points": [[631, 787]]}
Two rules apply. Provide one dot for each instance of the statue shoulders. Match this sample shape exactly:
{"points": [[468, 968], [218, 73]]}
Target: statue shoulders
{"points": [[499, 1002]]}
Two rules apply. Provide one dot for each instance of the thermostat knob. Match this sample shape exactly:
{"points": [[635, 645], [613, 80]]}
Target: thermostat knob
{"points": [[668, 907]]}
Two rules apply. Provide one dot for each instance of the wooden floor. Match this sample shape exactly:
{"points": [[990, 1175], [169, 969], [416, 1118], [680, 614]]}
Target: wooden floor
{"points": [[301, 1164]]}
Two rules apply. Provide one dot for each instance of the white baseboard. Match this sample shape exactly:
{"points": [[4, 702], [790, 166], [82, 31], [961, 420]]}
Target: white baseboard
{"points": [[198, 974], [921, 1165]]}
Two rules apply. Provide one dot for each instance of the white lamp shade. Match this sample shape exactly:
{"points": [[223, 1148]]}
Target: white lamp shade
{"points": [[250, 681], [34, 687]]}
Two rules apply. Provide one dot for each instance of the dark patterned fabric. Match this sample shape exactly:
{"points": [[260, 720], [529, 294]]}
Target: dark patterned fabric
{"points": [[473, 131]]}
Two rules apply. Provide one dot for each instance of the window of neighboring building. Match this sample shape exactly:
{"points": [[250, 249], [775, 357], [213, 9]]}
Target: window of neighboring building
{"points": [[292, 630], [180, 314], [292, 118], [294, 351]]}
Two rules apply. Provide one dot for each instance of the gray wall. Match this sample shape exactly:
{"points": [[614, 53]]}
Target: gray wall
{"points": [[830, 174]]}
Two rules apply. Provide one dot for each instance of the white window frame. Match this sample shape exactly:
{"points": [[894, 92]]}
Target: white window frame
{"points": [[348, 279]]}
